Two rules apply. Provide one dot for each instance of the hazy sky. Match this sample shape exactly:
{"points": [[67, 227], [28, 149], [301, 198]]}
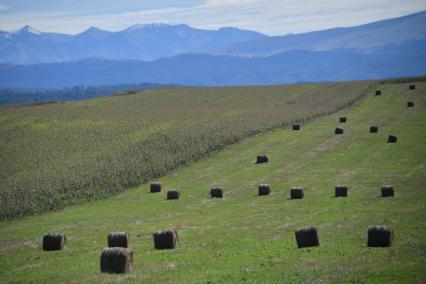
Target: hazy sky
{"points": [[273, 17]]}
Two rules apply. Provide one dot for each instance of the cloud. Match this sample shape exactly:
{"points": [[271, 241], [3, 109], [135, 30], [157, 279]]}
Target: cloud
{"points": [[274, 17], [3, 8]]}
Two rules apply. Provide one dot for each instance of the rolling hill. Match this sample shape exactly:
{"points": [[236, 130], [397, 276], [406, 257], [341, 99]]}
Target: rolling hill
{"points": [[207, 70], [250, 238]]}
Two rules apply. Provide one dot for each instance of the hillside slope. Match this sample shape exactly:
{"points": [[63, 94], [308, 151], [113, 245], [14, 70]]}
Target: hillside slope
{"points": [[58, 154], [367, 38], [247, 238]]}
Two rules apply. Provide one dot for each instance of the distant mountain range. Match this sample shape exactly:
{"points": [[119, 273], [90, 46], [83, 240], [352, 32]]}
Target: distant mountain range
{"points": [[390, 48], [138, 42]]}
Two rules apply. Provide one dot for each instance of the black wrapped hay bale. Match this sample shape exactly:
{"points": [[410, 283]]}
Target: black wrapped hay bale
{"points": [[410, 104], [296, 193], [118, 239], [262, 159], [307, 237], [116, 260], [216, 192], [392, 138], [378, 92], [341, 191], [374, 129], [173, 194], [166, 239], [155, 187], [380, 236], [54, 241], [264, 189], [412, 87], [338, 130], [296, 126], [387, 191], [342, 119]]}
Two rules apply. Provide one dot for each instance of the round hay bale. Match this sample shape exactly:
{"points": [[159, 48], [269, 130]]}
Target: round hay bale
{"points": [[216, 192], [166, 239], [410, 104], [374, 129], [262, 159], [296, 193], [264, 189], [296, 126], [116, 260], [378, 92], [53, 242], [387, 191], [342, 119], [338, 130], [173, 194], [392, 138], [341, 191], [412, 87], [155, 187], [380, 236], [307, 237], [118, 239]]}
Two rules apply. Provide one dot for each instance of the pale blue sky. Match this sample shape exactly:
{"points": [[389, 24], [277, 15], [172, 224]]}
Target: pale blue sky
{"points": [[273, 17]]}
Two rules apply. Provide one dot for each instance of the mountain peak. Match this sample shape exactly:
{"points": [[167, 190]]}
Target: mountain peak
{"points": [[28, 29], [93, 30], [146, 26]]}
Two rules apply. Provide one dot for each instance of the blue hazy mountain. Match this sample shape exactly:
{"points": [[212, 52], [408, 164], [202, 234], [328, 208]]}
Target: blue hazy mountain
{"points": [[367, 38], [391, 48], [138, 42], [208, 70]]}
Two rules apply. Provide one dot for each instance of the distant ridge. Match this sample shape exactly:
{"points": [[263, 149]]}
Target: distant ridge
{"points": [[138, 42], [385, 49], [368, 38]]}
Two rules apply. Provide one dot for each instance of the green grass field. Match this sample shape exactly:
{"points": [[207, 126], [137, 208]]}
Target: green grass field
{"points": [[54, 155], [250, 238]]}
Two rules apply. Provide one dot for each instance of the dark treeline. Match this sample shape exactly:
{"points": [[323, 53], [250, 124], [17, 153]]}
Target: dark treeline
{"points": [[30, 96]]}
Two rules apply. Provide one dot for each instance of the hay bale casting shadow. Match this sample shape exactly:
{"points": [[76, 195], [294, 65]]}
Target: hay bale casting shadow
{"points": [[307, 237], [387, 191], [118, 239], [173, 194], [166, 239], [341, 191], [116, 260], [380, 236], [410, 104], [296, 193], [296, 126], [338, 130], [392, 138], [378, 92], [216, 192], [262, 159], [264, 189], [374, 129], [342, 119], [155, 187], [412, 87], [54, 241]]}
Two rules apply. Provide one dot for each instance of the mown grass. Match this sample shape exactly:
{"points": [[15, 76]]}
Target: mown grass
{"points": [[54, 155], [247, 238]]}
